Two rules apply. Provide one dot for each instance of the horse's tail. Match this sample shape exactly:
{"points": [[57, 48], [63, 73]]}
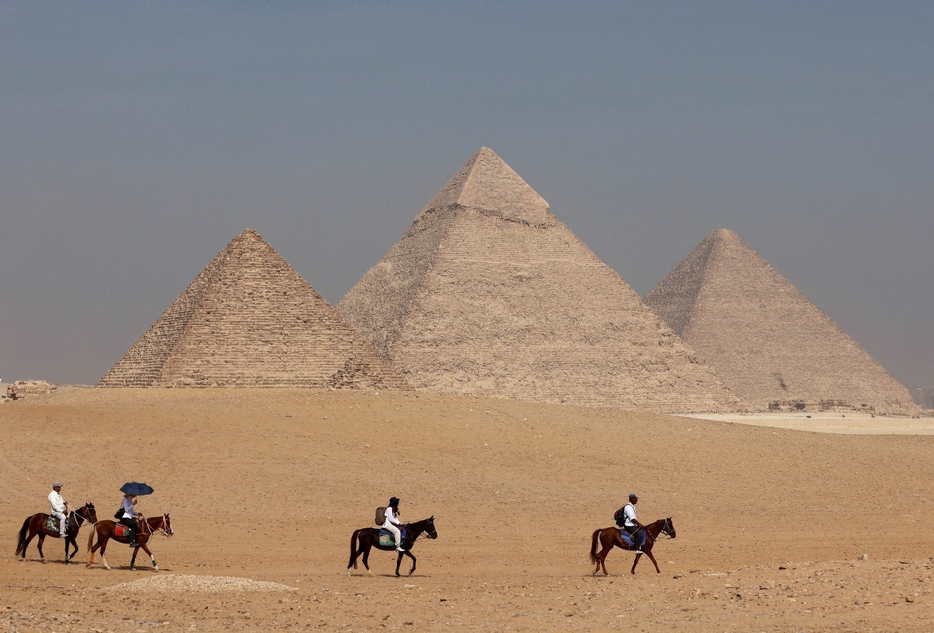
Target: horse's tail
{"points": [[353, 550], [92, 531], [593, 547], [21, 539]]}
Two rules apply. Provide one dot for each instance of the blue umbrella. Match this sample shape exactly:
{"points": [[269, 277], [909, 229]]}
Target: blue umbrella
{"points": [[136, 489]]}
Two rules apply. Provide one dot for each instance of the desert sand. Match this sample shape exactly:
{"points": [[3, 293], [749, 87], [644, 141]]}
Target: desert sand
{"points": [[266, 486]]}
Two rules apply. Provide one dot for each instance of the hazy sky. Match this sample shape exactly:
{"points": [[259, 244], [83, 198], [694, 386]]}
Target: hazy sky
{"points": [[137, 139]]}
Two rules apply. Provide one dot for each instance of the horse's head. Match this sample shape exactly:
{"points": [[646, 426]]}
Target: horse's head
{"points": [[430, 527], [89, 512], [167, 524], [669, 528]]}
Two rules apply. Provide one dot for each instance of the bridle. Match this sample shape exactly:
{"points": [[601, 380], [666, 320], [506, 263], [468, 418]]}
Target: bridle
{"points": [[81, 518], [433, 534], [667, 528], [163, 530]]}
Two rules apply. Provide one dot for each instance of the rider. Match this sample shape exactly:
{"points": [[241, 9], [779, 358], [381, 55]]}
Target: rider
{"points": [[58, 507], [632, 525], [392, 520], [129, 517]]}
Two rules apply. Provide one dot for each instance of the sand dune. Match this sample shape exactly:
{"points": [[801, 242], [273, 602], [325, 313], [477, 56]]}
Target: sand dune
{"points": [[269, 484]]}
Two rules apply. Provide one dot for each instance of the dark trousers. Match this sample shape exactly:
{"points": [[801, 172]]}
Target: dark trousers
{"points": [[634, 531], [133, 525]]}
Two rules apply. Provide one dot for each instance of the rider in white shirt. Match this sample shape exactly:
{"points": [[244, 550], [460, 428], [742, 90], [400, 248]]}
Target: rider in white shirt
{"points": [[58, 508], [631, 524], [392, 520]]}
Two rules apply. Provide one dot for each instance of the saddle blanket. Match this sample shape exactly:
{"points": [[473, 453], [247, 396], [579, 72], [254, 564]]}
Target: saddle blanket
{"points": [[386, 539], [627, 538], [52, 524], [121, 530]]}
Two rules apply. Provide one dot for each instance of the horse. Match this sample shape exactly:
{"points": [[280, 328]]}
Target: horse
{"points": [[36, 525], [105, 532], [369, 538], [611, 536]]}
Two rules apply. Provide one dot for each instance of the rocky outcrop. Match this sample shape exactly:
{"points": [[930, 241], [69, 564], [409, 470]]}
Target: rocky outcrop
{"points": [[25, 388]]}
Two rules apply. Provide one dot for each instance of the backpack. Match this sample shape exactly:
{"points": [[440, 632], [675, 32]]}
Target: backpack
{"points": [[380, 515], [620, 516]]}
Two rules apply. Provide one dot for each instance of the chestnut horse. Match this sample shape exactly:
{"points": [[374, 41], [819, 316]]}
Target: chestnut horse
{"points": [[369, 538], [610, 537], [36, 525], [105, 532]]}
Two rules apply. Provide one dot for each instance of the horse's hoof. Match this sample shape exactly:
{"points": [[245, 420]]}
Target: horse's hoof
{"points": [[370, 573]]}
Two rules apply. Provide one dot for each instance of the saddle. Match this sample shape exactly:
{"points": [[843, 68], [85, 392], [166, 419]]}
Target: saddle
{"points": [[52, 524], [386, 539], [627, 537]]}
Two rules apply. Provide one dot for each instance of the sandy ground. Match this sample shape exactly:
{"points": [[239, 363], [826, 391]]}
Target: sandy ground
{"points": [[832, 422], [268, 485]]}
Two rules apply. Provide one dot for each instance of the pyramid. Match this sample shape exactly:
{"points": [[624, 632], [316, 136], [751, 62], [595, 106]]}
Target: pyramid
{"points": [[250, 320], [764, 338], [488, 294]]}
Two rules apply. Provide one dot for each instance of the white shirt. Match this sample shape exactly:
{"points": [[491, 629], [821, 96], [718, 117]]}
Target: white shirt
{"points": [[629, 511], [128, 510], [390, 518], [56, 503]]}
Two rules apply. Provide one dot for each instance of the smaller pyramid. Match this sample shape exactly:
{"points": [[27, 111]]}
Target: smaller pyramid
{"points": [[250, 320], [764, 338]]}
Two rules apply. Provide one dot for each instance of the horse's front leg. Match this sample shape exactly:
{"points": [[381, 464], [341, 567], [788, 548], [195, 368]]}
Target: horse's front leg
{"points": [[634, 563], [399, 562], [414, 562], [145, 547], [67, 540], [648, 553]]}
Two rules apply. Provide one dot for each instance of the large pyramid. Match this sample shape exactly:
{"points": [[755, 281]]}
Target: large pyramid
{"points": [[488, 294], [250, 320], [763, 337]]}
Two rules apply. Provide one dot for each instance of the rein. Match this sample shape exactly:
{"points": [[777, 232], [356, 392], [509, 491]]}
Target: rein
{"points": [[77, 514], [162, 529], [422, 531]]}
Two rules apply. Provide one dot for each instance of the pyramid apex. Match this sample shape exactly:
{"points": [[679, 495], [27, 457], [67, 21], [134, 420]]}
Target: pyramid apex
{"points": [[486, 183]]}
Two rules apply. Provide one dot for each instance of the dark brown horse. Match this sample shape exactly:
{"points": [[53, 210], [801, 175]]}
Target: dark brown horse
{"points": [[105, 531], [369, 538], [36, 525], [610, 537]]}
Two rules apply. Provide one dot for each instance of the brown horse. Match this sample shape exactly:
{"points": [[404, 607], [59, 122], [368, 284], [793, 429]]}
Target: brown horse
{"points": [[610, 537], [36, 525], [369, 538], [105, 532]]}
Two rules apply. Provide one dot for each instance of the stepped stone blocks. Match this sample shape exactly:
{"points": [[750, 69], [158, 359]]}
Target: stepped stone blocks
{"points": [[488, 294], [766, 340], [250, 320]]}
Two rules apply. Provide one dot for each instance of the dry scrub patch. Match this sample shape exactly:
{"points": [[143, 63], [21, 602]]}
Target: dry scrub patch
{"points": [[188, 582]]}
